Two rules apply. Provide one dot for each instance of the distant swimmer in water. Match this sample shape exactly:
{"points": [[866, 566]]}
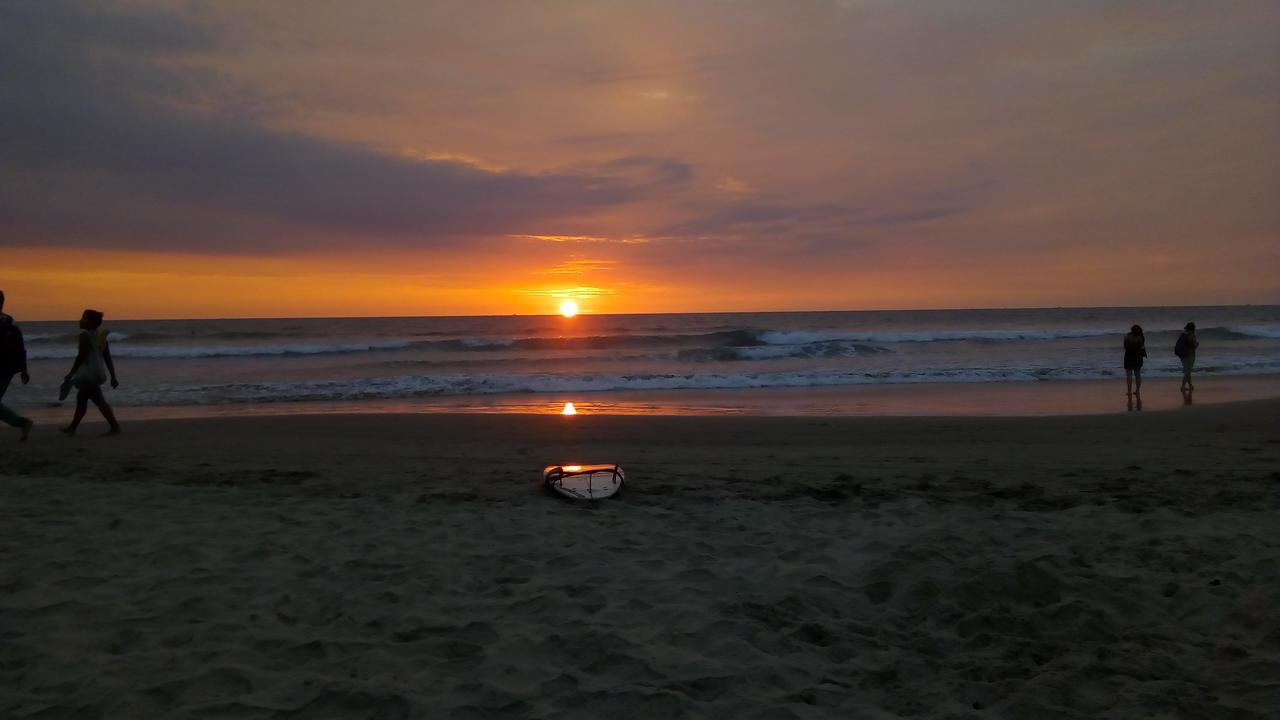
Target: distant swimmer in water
{"points": [[1135, 349], [90, 371]]}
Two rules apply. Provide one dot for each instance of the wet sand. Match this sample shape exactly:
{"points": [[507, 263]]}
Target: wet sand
{"points": [[1025, 399], [393, 566]]}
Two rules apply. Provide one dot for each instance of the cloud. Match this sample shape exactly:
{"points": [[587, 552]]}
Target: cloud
{"points": [[580, 291], [582, 266], [907, 134], [565, 238], [650, 171], [748, 217], [102, 138]]}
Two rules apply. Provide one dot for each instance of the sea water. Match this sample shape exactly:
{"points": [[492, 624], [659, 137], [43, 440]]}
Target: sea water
{"points": [[493, 362]]}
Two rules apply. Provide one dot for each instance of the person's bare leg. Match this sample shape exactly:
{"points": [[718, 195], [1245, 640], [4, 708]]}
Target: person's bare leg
{"points": [[9, 417], [101, 401], [82, 404], [1137, 381], [1128, 381]]}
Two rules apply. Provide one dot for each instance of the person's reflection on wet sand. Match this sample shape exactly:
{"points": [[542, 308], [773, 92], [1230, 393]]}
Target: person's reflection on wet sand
{"points": [[1186, 396], [1135, 403]]}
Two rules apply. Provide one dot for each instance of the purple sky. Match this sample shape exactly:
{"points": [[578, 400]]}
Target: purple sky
{"points": [[690, 155]]}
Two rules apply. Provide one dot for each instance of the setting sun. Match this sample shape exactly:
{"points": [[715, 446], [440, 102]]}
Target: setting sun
{"points": [[568, 308]]}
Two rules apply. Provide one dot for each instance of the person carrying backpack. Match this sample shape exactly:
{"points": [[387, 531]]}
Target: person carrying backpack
{"points": [[1135, 349], [1185, 349], [13, 361]]}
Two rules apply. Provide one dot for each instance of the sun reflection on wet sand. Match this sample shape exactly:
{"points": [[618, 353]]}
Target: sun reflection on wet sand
{"points": [[1016, 400]]}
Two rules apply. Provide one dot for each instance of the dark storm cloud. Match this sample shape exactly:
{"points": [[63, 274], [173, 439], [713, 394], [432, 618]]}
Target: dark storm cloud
{"points": [[103, 135]]}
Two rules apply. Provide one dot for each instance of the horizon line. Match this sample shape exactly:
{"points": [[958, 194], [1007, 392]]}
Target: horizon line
{"points": [[641, 314]]}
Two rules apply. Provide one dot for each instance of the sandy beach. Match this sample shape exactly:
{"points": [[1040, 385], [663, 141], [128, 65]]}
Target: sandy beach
{"points": [[397, 566]]}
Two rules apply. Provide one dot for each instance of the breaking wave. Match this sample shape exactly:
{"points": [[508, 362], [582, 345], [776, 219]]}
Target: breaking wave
{"points": [[742, 344], [417, 386]]}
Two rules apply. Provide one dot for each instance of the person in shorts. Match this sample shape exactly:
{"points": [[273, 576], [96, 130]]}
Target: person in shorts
{"points": [[1135, 349]]}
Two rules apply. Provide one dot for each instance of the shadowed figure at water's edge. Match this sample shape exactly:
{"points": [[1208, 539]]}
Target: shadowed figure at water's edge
{"points": [[90, 371]]}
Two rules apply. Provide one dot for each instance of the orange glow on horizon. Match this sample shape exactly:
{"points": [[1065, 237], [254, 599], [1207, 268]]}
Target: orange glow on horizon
{"points": [[57, 284], [492, 183]]}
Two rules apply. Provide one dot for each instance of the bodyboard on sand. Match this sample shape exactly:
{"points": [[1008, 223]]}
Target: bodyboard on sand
{"points": [[583, 482]]}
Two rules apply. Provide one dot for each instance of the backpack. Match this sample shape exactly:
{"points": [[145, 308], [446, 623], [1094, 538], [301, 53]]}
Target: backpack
{"points": [[1182, 347]]}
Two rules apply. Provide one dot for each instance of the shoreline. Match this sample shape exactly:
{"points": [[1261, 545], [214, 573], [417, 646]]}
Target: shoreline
{"points": [[1030, 399], [372, 430]]}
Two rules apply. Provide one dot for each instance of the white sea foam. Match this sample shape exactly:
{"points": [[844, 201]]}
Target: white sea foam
{"points": [[739, 344], [487, 343], [231, 361], [1270, 332], [193, 352], [411, 386], [781, 337]]}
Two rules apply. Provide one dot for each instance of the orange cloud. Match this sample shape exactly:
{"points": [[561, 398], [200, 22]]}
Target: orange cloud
{"points": [[253, 159]]}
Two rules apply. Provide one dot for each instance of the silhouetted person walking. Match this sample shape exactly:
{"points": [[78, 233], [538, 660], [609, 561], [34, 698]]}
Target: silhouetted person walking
{"points": [[13, 361], [90, 370], [1185, 349], [1135, 349]]}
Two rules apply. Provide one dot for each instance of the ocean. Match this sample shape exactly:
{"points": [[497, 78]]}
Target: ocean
{"points": [[520, 362]]}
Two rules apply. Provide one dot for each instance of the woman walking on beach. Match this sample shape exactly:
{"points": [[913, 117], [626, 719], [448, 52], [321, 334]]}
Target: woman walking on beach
{"points": [[1135, 349], [1185, 349], [90, 370]]}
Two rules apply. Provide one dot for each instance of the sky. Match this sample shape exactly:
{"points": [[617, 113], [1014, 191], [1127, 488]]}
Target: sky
{"points": [[413, 157]]}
